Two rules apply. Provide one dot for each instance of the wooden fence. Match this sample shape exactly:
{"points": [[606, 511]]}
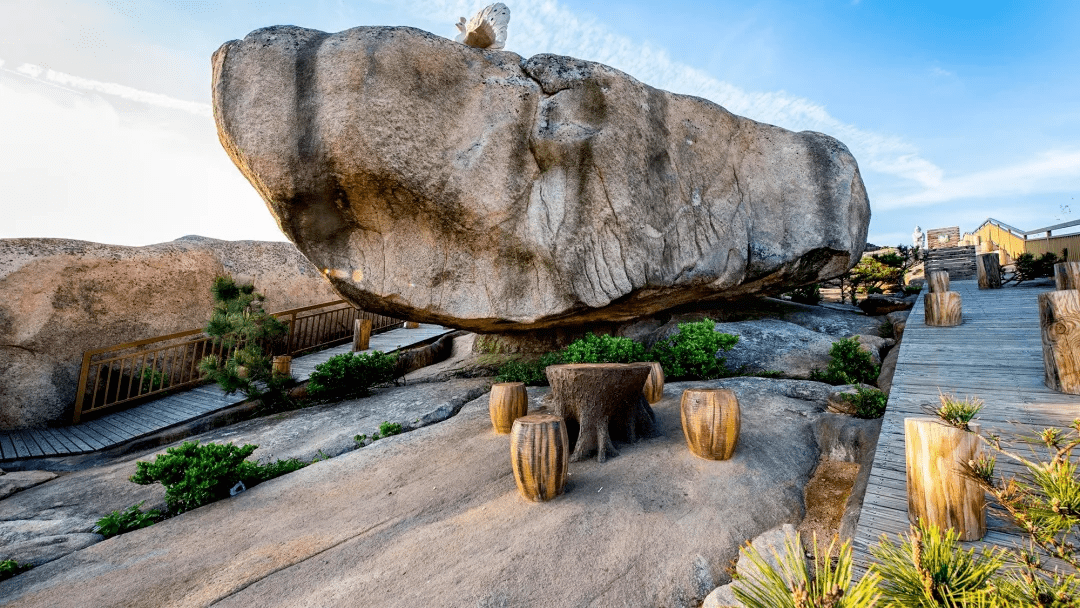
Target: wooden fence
{"points": [[1015, 241], [127, 373]]}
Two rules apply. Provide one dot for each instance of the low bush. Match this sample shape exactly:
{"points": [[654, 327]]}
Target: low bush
{"points": [[850, 364], [10, 568], [868, 402], [387, 429], [529, 371], [351, 375], [956, 412], [131, 518], [603, 349], [693, 353], [195, 475]]}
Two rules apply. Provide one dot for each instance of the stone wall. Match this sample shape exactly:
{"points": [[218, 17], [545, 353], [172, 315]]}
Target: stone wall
{"points": [[62, 297]]}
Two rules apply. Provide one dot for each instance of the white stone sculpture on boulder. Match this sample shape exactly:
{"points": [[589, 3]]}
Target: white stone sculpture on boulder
{"points": [[487, 28]]}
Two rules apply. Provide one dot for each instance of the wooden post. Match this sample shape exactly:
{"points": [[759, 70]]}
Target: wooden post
{"points": [[539, 451], [602, 397], [412, 325], [989, 267], [1067, 275], [986, 247], [942, 309], [938, 281], [361, 335], [710, 422], [282, 365], [654, 384], [939, 487], [507, 403], [1059, 318]]}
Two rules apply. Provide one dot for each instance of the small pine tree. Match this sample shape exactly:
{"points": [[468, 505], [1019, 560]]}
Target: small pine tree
{"points": [[243, 329]]}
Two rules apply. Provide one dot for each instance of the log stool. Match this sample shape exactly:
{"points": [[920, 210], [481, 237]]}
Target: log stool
{"points": [[939, 488], [361, 335], [654, 384], [938, 281], [282, 365], [539, 449], [989, 267], [710, 422], [507, 403], [942, 309], [1067, 275], [412, 325], [1059, 318]]}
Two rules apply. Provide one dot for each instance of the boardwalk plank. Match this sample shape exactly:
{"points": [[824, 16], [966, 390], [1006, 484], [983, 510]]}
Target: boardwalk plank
{"points": [[995, 354]]}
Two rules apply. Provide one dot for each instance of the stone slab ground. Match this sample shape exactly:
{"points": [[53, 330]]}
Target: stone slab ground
{"points": [[433, 517]]}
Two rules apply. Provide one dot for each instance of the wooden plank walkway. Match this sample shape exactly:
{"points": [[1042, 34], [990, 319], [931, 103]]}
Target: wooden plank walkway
{"points": [[120, 427], [996, 355]]}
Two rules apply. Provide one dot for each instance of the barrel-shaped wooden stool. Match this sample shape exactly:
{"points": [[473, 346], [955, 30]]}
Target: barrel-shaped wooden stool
{"points": [[507, 403], [939, 489], [540, 455], [710, 421], [937, 281], [654, 384]]}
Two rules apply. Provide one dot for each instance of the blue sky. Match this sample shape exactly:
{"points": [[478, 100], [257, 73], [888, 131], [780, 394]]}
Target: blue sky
{"points": [[955, 111]]}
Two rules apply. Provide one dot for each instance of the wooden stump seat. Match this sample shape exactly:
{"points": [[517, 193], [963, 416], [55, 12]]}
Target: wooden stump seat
{"points": [[942, 309], [939, 489], [507, 402], [538, 456], [654, 384], [602, 398], [988, 266], [710, 421], [1067, 275], [937, 281], [1059, 319]]}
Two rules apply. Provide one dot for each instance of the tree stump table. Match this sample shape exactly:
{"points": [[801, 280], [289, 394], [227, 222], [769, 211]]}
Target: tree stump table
{"points": [[603, 399]]}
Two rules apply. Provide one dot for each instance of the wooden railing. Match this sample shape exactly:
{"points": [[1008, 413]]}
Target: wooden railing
{"points": [[127, 373], [1015, 241]]}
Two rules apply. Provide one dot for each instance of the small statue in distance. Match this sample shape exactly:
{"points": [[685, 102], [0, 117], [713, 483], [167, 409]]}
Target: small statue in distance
{"points": [[487, 29], [917, 238]]}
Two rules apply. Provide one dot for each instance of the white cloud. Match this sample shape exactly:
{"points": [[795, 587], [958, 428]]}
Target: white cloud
{"points": [[84, 170], [1052, 171], [110, 88]]}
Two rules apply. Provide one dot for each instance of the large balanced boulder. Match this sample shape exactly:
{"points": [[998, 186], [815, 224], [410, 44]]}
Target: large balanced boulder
{"points": [[480, 190], [63, 297]]}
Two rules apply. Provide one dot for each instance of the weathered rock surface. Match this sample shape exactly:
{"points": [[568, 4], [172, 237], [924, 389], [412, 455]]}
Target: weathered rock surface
{"points": [[769, 545], [877, 304], [899, 322], [888, 369], [48, 521], [654, 526], [482, 191], [771, 345], [63, 297], [875, 345], [20, 480]]}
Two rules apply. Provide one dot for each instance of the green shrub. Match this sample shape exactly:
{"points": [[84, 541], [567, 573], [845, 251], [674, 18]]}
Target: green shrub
{"points": [[929, 568], [603, 349], [868, 402], [797, 583], [956, 412], [1030, 267], [195, 475], [241, 328], [912, 289], [10, 568], [529, 371], [351, 375], [887, 330], [151, 380], [131, 518], [850, 364], [387, 429], [693, 352]]}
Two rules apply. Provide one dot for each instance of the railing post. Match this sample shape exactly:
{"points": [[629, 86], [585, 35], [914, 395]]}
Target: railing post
{"points": [[81, 394], [292, 329]]}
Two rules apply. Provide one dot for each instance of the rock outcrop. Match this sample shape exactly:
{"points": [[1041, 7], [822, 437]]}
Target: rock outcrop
{"points": [[64, 297], [480, 190]]}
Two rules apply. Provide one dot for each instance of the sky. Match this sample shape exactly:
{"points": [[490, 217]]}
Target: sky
{"points": [[955, 111]]}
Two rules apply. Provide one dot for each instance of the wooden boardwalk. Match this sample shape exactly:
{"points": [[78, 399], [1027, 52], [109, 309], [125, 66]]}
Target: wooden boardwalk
{"points": [[123, 426], [996, 355]]}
